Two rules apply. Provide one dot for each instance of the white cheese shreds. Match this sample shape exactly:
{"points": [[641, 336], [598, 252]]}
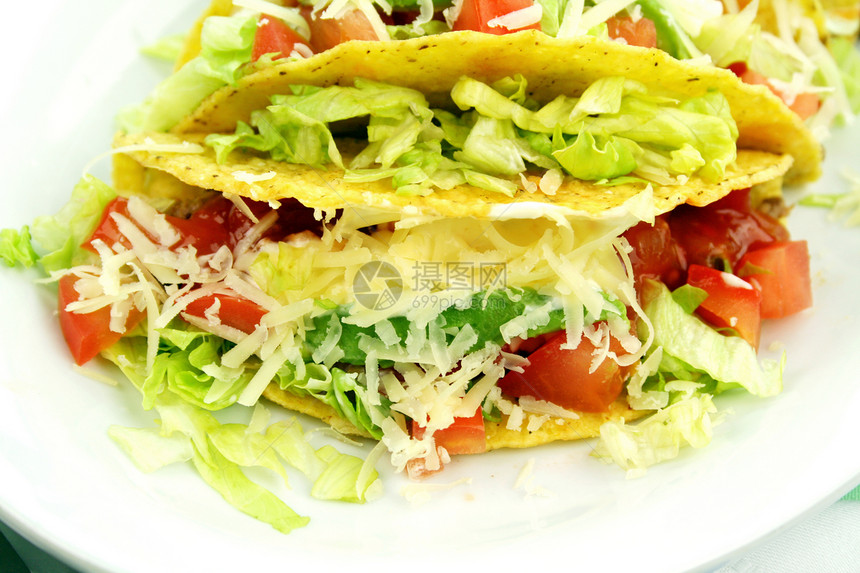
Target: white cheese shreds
{"points": [[515, 419], [518, 19], [153, 222], [542, 407], [248, 177], [551, 181], [261, 379], [245, 348], [291, 16]]}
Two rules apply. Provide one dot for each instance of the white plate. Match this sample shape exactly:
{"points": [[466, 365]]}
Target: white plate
{"points": [[67, 487]]}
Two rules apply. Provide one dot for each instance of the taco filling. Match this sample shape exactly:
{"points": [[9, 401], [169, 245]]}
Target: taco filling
{"points": [[437, 336]]}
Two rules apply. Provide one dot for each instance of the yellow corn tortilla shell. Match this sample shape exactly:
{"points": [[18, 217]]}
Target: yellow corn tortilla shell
{"points": [[132, 178], [266, 179], [498, 436], [552, 66]]}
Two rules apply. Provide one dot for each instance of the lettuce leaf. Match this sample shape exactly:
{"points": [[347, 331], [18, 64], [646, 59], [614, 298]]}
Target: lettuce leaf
{"points": [[219, 452], [691, 345], [149, 449], [612, 130], [848, 59], [59, 237], [227, 44], [659, 437], [16, 247], [245, 495]]}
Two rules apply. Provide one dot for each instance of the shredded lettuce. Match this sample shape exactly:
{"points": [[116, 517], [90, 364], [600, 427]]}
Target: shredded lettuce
{"points": [[613, 130], [671, 37], [16, 247], [59, 237], [227, 44], [245, 495], [842, 206], [848, 59], [660, 436], [167, 48], [187, 365], [690, 345], [149, 449], [219, 452]]}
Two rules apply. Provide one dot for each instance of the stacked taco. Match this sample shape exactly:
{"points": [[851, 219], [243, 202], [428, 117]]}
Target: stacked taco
{"points": [[448, 243]]}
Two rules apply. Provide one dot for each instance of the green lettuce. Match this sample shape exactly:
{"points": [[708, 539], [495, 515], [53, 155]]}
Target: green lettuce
{"points": [[219, 452], [690, 346], [58, 238], [168, 48], [848, 59], [660, 436], [16, 247], [186, 365], [614, 129], [227, 44]]}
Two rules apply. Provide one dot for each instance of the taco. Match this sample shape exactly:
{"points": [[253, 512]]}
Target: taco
{"points": [[393, 328], [443, 332], [232, 67]]}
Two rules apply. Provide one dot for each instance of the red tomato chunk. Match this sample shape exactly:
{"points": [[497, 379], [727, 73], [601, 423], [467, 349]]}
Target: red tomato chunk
{"points": [[274, 37], [561, 376], [464, 436], [233, 310], [477, 15], [327, 33], [781, 271], [731, 303], [87, 334], [719, 234], [642, 32]]}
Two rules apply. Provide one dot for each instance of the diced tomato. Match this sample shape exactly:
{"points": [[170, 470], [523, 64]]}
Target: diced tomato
{"points": [[805, 104], [477, 15], [206, 236], [88, 334], [327, 33], [234, 311], [562, 376], [719, 234], [274, 37], [655, 254], [781, 271], [203, 233], [218, 222], [107, 230], [416, 468], [526, 346], [732, 302], [464, 436], [642, 32]]}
